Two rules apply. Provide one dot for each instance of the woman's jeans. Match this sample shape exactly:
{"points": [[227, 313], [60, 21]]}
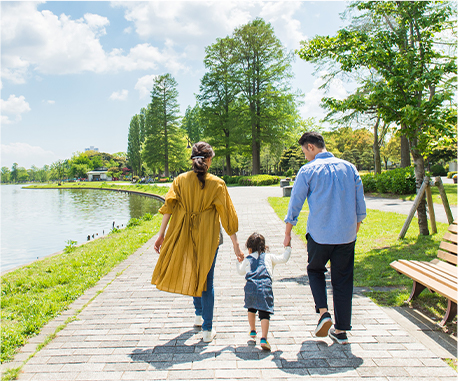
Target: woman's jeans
{"points": [[204, 305], [342, 261]]}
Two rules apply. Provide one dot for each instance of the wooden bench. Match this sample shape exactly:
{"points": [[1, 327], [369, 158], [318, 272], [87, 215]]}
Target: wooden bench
{"points": [[439, 275]]}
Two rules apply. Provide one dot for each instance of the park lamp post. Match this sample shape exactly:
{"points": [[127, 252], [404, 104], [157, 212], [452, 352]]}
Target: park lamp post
{"points": [[189, 142]]}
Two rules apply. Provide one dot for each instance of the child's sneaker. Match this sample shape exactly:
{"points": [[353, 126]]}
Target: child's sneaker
{"points": [[339, 338], [323, 326], [265, 344], [253, 335]]}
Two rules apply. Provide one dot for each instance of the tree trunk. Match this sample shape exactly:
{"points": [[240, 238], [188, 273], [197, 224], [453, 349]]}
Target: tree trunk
{"points": [[419, 165], [228, 165], [405, 150], [376, 149]]}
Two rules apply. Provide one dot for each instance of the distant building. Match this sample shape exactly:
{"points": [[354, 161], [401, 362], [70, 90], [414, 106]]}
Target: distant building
{"points": [[92, 148], [99, 174]]}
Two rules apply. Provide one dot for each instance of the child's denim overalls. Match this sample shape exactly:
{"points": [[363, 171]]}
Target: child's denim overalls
{"points": [[258, 287]]}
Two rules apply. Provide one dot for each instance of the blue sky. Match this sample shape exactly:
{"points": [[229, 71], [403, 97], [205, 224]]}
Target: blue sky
{"points": [[74, 73]]}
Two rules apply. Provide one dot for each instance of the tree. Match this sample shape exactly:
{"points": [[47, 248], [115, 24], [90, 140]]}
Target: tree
{"points": [[418, 74], [220, 108], [262, 76], [161, 141], [192, 124], [6, 175], [134, 146], [14, 172], [391, 151]]}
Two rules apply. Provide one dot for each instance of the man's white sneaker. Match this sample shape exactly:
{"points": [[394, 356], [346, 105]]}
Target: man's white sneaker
{"points": [[208, 336], [198, 321]]}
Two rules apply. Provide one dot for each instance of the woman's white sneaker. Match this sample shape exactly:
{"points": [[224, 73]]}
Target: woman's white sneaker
{"points": [[198, 321], [208, 336]]}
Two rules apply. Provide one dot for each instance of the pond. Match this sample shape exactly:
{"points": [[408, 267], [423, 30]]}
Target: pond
{"points": [[39, 222]]}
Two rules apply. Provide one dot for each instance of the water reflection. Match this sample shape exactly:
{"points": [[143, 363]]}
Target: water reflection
{"points": [[38, 222]]}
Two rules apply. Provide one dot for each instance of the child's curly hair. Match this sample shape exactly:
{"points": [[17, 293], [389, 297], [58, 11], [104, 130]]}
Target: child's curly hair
{"points": [[257, 242]]}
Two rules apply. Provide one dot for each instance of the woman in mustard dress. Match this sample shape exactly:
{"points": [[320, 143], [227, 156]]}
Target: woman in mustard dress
{"points": [[198, 202]]}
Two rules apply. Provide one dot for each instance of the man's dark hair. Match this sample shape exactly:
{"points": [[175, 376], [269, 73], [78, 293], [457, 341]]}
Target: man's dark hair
{"points": [[312, 138]]}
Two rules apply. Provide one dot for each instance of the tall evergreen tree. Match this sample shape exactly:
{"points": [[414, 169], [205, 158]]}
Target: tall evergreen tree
{"points": [[134, 145], [218, 98], [262, 77], [162, 135]]}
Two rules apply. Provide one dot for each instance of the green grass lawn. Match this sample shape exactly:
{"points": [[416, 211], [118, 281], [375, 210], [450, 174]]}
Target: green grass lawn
{"points": [[450, 191], [376, 247], [34, 294]]}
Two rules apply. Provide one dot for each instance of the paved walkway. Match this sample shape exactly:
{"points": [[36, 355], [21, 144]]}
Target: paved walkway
{"points": [[131, 331]]}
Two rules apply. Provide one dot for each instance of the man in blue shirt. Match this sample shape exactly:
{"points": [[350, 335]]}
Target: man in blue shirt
{"points": [[337, 207]]}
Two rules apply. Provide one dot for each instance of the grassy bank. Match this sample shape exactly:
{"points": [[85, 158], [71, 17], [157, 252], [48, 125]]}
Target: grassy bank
{"points": [[377, 246], [450, 191], [145, 188], [34, 294]]}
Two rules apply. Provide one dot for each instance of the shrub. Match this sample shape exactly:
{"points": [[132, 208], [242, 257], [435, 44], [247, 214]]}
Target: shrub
{"points": [[147, 217], [133, 222], [289, 172], [231, 179], [438, 170], [397, 181], [450, 174], [259, 180]]}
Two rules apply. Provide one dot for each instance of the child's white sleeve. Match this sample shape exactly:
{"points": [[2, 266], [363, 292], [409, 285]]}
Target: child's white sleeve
{"points": [[276, 259], [243, 267]]}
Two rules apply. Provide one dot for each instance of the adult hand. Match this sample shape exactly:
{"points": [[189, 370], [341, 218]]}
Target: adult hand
{"points": [[158, 244], [287, 240], [288, 229], [239, 253]]}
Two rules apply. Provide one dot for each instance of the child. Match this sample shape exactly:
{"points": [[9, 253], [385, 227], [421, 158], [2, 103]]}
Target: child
{"points": [[258, 267]]}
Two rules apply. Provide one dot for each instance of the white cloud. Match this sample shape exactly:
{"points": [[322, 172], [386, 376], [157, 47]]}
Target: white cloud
{"points": [[312, 100], [45, 43], [281, 15], [25, 155], [186, 22], [119, 95], [13, 107], [144, 85], [97, 23]]}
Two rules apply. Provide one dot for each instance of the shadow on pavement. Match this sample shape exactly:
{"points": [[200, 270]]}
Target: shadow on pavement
{"points": [[314, 358], [177, 351]]}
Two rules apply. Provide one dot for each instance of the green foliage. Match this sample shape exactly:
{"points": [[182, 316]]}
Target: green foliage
{"points": [[289, 172], [134, 145], [71, 245], [133, 222], [438, 170], [231, 179], [396, 181], [163, 149], [34, 294], [245, 96], [258, 180]]}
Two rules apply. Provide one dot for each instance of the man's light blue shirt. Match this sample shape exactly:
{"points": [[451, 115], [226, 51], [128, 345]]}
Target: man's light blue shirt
{"points": [[335, 196]]}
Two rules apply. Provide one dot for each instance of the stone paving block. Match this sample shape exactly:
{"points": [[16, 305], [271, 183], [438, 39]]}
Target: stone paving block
{"points": [[382, 371], [145, 375], [192, 375], [50, 376], [430, 371], [99, 376]]}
